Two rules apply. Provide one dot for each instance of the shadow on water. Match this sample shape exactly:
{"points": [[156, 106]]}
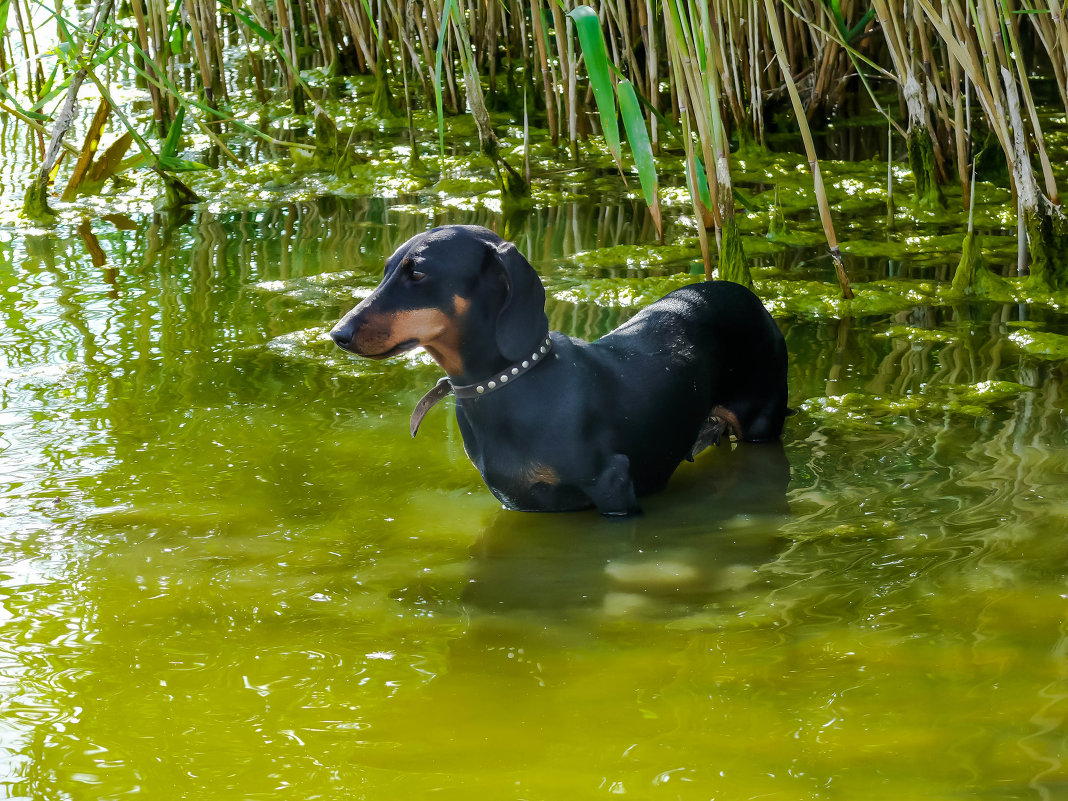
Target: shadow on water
{"points": [[704, 535]]}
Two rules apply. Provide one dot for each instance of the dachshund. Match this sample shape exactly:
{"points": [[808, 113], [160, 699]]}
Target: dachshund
{"points": [[554, 423]]}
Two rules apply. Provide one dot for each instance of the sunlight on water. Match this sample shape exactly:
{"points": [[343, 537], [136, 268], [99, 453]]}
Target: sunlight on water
{"points": [[226, 570]]}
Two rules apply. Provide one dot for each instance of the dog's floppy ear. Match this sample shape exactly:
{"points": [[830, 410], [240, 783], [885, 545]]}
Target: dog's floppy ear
{"points": [[521, 323]]}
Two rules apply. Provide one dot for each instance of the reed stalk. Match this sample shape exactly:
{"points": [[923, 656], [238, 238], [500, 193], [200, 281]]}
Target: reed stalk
{"points": [[896, 27], [991, 59], [681, 60], [35, 203], [810, 151], [541, 42], [568, 70], [152, 42]]}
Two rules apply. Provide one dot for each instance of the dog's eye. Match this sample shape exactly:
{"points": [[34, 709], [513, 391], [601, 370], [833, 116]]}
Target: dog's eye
{"points": [[415, 275]]}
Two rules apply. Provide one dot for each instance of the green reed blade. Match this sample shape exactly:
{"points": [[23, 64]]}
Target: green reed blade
{"points": [[249, 22], [446, 12], [180, 165], [371, 19], [174, 135], [50, 90], [19, 110], [591, 38], [853, 32], [638, 137], [703, 191]]}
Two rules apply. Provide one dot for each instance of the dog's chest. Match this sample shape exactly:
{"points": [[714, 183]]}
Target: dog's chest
{"points": [[534, 487], [522, 464]]}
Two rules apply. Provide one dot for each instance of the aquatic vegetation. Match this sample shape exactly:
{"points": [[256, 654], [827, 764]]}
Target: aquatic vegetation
{"points": [[632, 294], [1043, 344], [700, 86], [635, 256], [859, 411]]}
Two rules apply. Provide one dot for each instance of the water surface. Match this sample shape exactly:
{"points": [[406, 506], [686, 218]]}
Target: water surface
{"points": [[226, 570]]}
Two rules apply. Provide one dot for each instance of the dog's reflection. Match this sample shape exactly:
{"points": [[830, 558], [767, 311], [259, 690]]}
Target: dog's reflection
{"points": [[703, 536]]}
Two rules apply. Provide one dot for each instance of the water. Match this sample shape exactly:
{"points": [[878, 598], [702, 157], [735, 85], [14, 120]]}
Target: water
{"points": [[226, 570]]}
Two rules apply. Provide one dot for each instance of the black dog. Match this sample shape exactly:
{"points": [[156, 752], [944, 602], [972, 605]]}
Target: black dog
{"points": [[554, 423]]}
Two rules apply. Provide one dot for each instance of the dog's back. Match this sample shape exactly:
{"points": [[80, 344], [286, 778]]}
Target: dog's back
{"points": [[720, 340], [705, 358]]}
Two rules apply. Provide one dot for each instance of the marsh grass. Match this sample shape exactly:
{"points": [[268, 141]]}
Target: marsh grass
{"points": [[699, 77]]}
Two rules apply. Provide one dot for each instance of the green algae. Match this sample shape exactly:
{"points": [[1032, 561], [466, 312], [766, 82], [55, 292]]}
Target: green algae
{"points": [[352, 160], [1041, 344], [1047, 245], [636, 256], [1010, 290], [861, 406], [35, 204], [865, 412], [515, 192], [905, 246], [914, 334], [815, 299], [982, 394], [820, 299], [733, 266], [921, 154], [332, 152], [776, 220], [972, 275], [632, 293], [382, 100], [796, 236]]}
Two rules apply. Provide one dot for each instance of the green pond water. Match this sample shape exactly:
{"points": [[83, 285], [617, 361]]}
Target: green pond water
{"points": [[227, 571]]}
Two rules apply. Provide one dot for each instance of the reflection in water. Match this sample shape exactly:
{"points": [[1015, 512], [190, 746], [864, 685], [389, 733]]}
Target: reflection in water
{"points": [[227, 570], [708, 533]]}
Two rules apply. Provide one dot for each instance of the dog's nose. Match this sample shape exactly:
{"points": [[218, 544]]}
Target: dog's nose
{"points": [[341, 337]]}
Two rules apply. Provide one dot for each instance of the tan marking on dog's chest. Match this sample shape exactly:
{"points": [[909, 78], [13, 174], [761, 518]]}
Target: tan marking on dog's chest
{"points": [[541, 474]]}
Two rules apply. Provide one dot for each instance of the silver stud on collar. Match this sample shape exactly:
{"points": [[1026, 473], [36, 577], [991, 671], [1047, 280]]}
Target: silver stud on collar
{"points": [[445, 385]]}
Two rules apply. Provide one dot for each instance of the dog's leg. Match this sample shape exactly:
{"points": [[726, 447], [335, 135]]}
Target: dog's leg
{"points": [[612, 492], [720, 421]]}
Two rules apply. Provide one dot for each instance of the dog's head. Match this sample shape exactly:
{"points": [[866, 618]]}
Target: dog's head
{"points": [[452, 290]]}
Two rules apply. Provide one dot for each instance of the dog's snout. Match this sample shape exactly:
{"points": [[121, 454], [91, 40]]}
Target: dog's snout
{"points": [[342, 336]]}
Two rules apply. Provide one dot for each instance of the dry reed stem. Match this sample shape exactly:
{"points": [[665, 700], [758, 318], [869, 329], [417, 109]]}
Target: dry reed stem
{"points": [[810, 150]]}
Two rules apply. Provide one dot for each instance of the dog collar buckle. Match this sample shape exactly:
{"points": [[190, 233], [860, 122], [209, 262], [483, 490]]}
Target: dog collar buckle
{"points": [[445, 386]]}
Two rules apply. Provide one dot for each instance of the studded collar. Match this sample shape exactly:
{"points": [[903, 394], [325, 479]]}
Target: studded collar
{"points": [[496, 381]]}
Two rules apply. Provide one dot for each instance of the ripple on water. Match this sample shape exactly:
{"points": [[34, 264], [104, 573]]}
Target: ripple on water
{"points": [[227, 570]]}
